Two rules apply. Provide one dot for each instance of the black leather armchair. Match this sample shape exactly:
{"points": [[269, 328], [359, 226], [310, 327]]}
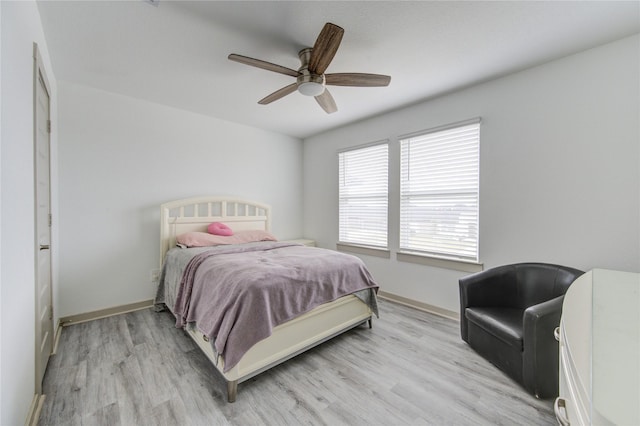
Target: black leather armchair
{"points": [[508, 315]]}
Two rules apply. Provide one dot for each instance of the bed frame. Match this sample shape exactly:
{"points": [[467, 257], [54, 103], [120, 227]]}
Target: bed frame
{"points": [[288, 339]]}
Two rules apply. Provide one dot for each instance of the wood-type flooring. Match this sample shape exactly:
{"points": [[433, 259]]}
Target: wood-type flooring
{"points": [[412, 368]]}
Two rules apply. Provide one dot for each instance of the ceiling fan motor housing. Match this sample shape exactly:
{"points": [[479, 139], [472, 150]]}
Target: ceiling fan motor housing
{"points": [[309, 84]]}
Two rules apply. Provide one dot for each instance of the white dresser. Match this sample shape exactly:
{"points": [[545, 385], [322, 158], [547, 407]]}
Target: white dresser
{"points": [[599, 338]]}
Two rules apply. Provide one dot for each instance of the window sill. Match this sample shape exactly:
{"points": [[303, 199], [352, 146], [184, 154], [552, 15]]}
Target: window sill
{"points": [[371, 251], [439, 262]]}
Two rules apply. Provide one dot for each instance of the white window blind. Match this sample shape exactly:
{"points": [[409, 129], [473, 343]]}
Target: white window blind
{"points": [[363, 195], [439, 189]]}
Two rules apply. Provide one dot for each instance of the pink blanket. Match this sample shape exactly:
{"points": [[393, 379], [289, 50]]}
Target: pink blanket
{"points": [[238, 294]]}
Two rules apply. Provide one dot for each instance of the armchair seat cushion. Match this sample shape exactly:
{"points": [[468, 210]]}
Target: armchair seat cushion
{"points": [[503, 323]]}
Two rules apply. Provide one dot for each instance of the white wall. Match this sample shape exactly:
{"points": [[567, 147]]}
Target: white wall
{"points": [[120, 158], [20, 28], [560, 162]]}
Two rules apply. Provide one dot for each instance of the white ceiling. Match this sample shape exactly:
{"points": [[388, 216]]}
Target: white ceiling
{"points": [[176, 53]]}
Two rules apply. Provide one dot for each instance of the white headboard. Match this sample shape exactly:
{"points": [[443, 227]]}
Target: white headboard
{"points": [[195, 214]]}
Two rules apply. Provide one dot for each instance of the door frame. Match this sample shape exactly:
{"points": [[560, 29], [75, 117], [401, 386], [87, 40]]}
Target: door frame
{"points": [[39, 72]]}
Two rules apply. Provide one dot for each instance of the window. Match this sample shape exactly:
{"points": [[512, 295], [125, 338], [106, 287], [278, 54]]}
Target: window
{"points": [[439, 192], [363, 195]]}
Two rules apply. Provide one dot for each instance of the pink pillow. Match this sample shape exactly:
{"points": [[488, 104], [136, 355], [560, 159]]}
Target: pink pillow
{"points": [[217, 228]]}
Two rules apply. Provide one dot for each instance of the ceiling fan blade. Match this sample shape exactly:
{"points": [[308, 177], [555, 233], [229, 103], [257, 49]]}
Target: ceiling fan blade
{"points": [[263, 64], [325, 100], [357, 79], [325, 48], [280, 93]]}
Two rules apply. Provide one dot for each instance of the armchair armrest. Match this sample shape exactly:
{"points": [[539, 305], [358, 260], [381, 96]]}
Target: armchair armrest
{"points": [[540, 353]]}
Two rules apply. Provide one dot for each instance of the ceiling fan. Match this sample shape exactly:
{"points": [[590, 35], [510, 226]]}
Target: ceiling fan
{"points": [[310, 77]]}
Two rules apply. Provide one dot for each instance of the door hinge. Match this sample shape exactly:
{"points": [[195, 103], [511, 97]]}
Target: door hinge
{"points": [[51, 313], [50, 220], [48, 126]]}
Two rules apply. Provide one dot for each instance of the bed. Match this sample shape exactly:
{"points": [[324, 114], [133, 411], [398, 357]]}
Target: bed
{"points": [[287, 339]]}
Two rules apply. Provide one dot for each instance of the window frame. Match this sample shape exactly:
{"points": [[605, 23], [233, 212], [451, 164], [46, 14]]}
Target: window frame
{"points": [[442, 257], [352, 244]]}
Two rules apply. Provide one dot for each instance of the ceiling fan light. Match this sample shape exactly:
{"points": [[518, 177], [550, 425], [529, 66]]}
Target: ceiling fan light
{"points": [[311, 88]]}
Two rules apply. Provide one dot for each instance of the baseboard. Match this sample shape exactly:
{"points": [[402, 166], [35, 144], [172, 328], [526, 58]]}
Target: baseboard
{"points": [[419, 305], [104, 313], [34, 410], [56, 337]]}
